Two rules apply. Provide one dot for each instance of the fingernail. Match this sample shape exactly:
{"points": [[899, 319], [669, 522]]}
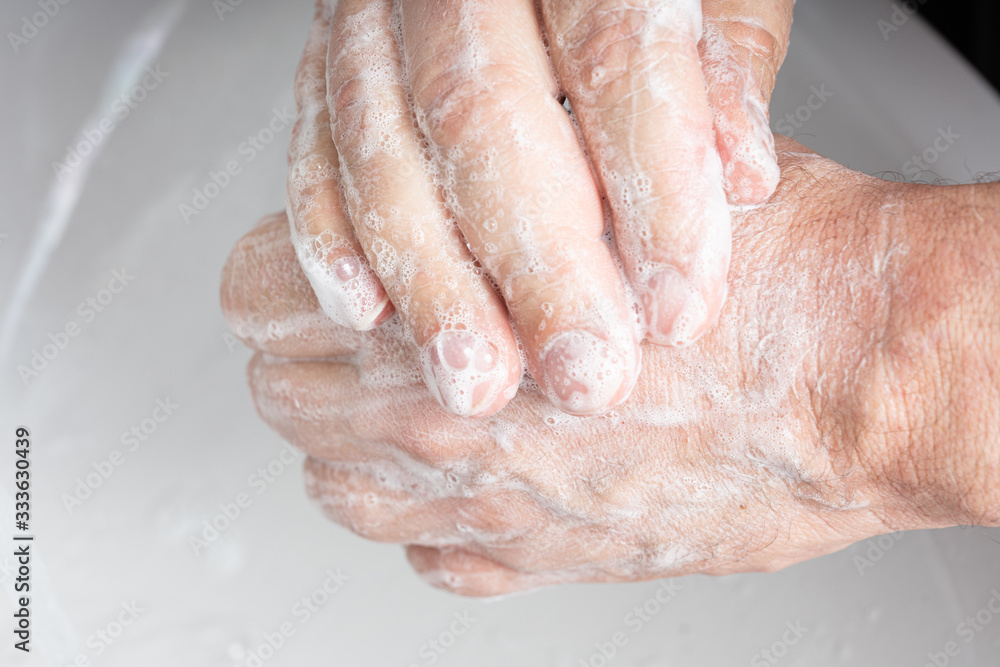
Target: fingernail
{"points": [[583, 374], [347, 268], [676, 312], [348, 291], [463, 370]]}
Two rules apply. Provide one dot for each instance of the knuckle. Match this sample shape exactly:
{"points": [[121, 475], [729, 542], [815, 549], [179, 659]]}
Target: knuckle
{"points": [[469, 574], [274, 395], [436, 444], [431, 299], [350, 97], [297, 145], [448, 568], [360, 421], [427, 292], [462, 583], [368, 523], [310, 132], [311, 172], [355, 514], [505, 518], [243, 321], [312, 167], [455, 106], [364, 92], [610, 46], [744, 46], [313, 196], [368, 126], [348, 498], [306, 402], [310, 80], [241, 294], [446, 580], [352, 115], [242, 260], [521, 558]]}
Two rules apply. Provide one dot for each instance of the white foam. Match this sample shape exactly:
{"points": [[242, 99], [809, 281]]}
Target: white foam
{"points": [[353, 302]]}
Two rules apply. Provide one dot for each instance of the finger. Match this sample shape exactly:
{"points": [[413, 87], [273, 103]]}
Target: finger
{"points": [[399, 500], [467, 348], [269, 304], [522, 192], [331, 258], [460, 571], [373, 500], [741, 51], [314, 405], [334, 410], [634, 78], [464, 571]]}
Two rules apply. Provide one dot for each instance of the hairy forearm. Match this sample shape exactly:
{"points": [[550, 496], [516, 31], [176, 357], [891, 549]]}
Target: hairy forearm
{"points": [[941, 353]]}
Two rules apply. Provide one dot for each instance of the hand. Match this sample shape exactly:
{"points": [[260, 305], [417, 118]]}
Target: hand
{"points": [[850, 389], [432, 159]]}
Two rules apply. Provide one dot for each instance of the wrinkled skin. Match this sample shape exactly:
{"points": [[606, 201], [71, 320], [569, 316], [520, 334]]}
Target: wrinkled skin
{"points": [[433, 171], [817, 413]]}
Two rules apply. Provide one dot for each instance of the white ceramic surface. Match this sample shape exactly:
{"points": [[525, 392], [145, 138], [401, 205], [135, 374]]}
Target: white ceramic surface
{"points": [[162, 337]]}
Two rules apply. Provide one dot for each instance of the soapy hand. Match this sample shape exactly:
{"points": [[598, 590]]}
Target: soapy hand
{"points": [[846, 392], [434, 170]]}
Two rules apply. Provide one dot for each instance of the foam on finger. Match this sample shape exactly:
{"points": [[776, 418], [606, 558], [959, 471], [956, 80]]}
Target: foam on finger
{"points": [[634, 78], [741, 49], [269, 304], [347, 288], [393, 194]]}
